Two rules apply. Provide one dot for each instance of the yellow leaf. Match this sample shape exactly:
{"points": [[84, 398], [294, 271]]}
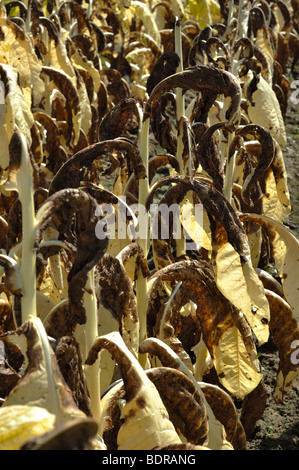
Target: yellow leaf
{"points": [[21, 423], [240, 284], [235, 368]]}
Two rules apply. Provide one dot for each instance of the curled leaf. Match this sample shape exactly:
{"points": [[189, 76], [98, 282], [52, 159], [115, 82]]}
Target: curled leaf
{"points": [[146, 423], [198, 78], [42, 385], [65, 208], [231, 253], [72, 172]]}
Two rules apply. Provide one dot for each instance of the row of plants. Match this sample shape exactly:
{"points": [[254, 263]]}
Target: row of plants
{"points": [[114, 336]]}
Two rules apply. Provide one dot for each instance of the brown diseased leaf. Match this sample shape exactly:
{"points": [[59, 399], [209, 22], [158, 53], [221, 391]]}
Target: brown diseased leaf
{"points": [[202, 78], [62, 210], [118, 296], [73, 171], [253, 408], [69, 360], [183, 402], [165, 66], [115, 122], [225, 411], [285, 332]]}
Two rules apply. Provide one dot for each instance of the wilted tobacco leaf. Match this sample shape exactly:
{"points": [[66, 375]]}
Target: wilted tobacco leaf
{"points": [[65, 85], [72, 172], [269, 282], [59, 211], [266, 157], [216, 436], [165, 66], [230, 250], [208, 155], [183, 402], [54, 153], [20, 423], [115, 123], [146, 422], [238, 281], [222, 326], [225, 411], [116, 86], [170, 321], [132, 258], [200, 78], [118, 296], [19, 53], [284, 253], [266, 111], [69, 360], [285, 331], [17, 112], [253, 407], [181, 398], [274, 183], [76, 434], [53, 50], [42, 385]]}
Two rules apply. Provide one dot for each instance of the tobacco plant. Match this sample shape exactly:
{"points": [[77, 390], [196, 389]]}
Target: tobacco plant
{"points": [[113, 335]]}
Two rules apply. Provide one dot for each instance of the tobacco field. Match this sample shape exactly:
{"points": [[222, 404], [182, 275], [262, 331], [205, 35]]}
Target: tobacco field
{"points": [[149, 224]]}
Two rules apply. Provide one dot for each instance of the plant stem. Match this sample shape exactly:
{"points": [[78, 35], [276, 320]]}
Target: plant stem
{"points": [[92, 372], [180, 100], [229, 174], [28, 266], [141, 282]]}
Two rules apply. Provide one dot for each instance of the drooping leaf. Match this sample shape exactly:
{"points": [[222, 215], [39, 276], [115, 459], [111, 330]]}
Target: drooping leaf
{"points": [[76, 434], [200, 78], [66, 86], [72, 172], [17, 112], [222, 326], [146, 422], [17, 51], [284, 248], [266, 110], [285, 331], [216, 437], [42, 385], [231, 253], [117, 294], [59, 211]]}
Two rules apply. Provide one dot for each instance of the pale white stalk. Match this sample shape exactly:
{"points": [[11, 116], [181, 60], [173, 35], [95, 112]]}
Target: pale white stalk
{"points": [[180, 99], [53, 310], [180, 115], [230, 170], [141, 282], [52, 393], [28, 265], [92, 372]]}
